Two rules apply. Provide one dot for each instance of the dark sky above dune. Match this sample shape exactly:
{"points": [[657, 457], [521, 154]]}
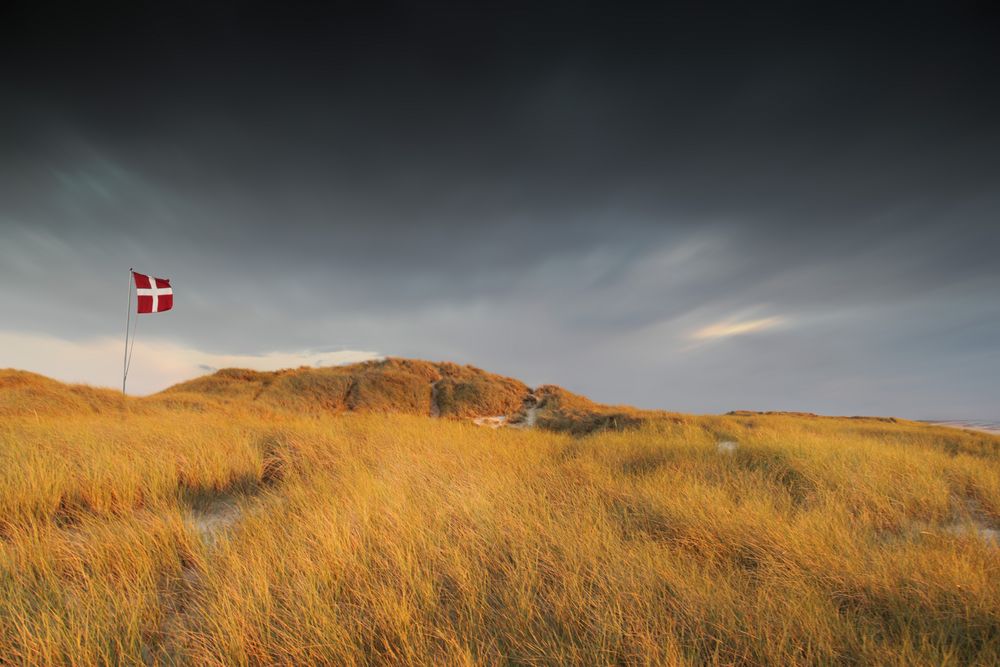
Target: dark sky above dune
{"points": [[700, 209]]}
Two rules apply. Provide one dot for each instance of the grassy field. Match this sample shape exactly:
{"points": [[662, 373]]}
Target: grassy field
{"points": [[265, 519]]}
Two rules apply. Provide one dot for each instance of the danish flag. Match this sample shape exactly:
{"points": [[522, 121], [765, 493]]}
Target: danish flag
{"points": [[153, 295]]}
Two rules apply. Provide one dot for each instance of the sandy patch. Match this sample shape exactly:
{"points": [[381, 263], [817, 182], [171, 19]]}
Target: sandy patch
{"points": [[726, 447], [210, 519], [491, 422]]}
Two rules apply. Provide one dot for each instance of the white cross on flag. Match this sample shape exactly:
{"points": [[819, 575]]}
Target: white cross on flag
{"points": [[153, 295]]}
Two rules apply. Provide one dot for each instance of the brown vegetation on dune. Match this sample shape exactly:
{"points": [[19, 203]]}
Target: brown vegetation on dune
{"points": [[389, 385], [405, 386], [561, 410], [463, 391], [408, 386]]}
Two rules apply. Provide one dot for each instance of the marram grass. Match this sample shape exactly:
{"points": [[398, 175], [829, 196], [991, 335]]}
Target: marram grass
{"points": [[160, 532]]}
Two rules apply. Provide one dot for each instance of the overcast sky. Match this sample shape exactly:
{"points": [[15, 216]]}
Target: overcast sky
{"points": [[769, 208]]}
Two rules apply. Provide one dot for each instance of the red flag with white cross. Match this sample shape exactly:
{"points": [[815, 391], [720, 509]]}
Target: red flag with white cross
{"points": [[153, 295]]}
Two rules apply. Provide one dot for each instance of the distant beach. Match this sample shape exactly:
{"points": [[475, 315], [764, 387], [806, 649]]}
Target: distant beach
{"points": [[969, 424]]}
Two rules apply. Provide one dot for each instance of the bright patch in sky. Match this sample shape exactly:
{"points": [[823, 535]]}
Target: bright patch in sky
{"points": [[155, 364], [728, 328]]}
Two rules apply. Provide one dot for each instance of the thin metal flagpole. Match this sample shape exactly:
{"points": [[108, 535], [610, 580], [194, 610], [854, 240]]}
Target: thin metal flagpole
{"points": [[128, 319]]}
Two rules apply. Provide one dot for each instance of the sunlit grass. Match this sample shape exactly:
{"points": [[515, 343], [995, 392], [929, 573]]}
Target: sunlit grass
{"points": [[395, 539]]}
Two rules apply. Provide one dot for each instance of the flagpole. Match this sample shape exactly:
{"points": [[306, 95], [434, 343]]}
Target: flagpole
{"points": [[128, 319]]}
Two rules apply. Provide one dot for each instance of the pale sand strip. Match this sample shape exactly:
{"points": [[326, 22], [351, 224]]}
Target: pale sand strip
{"points": [[970, 425]]}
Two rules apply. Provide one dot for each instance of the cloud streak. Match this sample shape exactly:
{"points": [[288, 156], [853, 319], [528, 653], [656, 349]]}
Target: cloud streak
{"points": [[729, 328]]}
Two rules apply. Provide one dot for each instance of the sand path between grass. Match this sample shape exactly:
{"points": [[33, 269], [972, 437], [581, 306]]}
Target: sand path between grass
{"points": [[209, 518]]}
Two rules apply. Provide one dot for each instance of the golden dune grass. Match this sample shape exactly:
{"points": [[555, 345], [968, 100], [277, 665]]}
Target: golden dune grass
{"points": [[401, 539]]}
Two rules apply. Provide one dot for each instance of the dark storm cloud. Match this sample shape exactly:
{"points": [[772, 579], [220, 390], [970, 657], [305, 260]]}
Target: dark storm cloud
{"points": [[535, 191]]}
